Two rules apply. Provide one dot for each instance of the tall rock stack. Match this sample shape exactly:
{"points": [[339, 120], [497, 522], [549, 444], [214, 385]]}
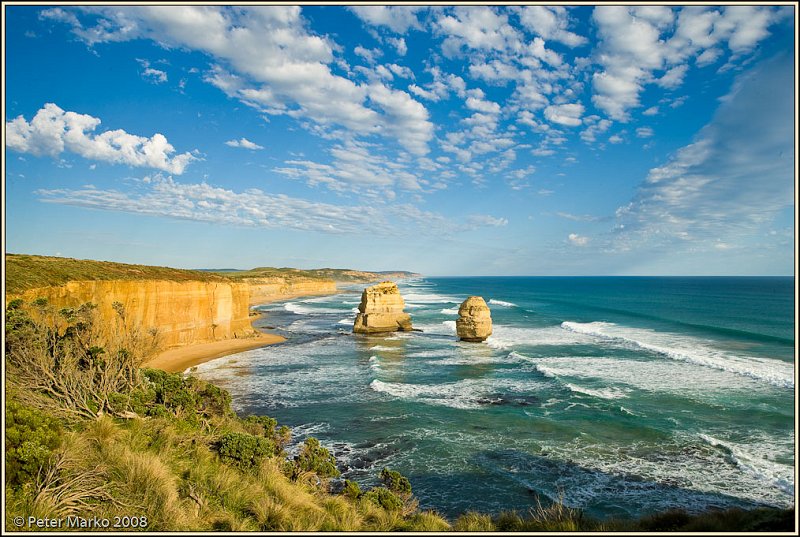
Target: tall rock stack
{"points": [[381, 310], [474, 320]]}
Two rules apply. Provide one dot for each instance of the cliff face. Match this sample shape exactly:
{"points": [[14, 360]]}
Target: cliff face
{"points": [[184, 313], [268, 290]]}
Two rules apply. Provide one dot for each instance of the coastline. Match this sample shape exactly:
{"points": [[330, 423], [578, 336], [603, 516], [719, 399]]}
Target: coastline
{"points": [[180, 359]]}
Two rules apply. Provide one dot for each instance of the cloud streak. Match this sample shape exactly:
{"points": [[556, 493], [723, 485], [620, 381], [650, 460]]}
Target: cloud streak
{"points": [[164, 197], [735, 176]]}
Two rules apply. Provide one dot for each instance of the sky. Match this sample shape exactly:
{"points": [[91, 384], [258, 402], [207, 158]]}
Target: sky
{"points": [[449, 140]]}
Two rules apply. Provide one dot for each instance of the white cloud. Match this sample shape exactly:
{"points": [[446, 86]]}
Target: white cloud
{"points": [[550, 22], [637, 42], [673, 78], [475, 27], [652, 111], [53, 131], [564, 114], [480, 105], [486, 220], [245, 143], [163, 197], [733, 179], [615, 139], [644, 132], [371, 55], [267, 58], [155, 75], [596, 128], [401, 71], [707, 57], [354, 167], [578, 240], [399, 19], [399, 44]]}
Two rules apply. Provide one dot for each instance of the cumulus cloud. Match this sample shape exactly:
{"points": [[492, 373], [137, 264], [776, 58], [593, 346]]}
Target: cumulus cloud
{"points": [[475, 27], [245, 143], [442, 86], [735, 176], [399, 19], [639, 42], [644, 132], [550, 22], [53, 131], [564, 114], [267, 58]]}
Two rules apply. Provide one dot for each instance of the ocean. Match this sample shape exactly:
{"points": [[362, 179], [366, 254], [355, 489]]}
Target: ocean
{"points": [[621, 396]]}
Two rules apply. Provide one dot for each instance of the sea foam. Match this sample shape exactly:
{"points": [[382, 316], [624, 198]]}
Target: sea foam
{"points": [[689, 349]]}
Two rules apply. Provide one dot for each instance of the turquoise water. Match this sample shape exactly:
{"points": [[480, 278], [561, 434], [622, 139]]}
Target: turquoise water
{"points": [[622, 396]]}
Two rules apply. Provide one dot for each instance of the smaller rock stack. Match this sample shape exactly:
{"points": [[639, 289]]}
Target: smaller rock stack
{"points": [[381, 310], [474, 320]]}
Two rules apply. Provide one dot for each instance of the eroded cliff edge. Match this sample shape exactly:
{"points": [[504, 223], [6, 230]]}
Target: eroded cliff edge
{"points": [[186, 307]]}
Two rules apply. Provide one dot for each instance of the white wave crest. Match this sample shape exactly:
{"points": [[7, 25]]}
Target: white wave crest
{"points": [[496, 302], [449, 311], [452, 395], [689, 349], [771, 473], [506, 337], [429, 298], [305, 310], [608, 393]]}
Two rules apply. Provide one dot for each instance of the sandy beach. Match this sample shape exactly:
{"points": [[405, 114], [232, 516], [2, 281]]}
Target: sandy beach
{"points": [[181, 358]]}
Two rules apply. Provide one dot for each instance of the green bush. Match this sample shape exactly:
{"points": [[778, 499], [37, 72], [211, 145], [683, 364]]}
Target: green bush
{"points": [[351, 489], [383, 497], [31, 437], [314, 458], [245, 451], [395, 482]]}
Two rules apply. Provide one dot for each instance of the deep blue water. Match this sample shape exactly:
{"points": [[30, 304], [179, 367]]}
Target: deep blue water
{"points": [[623, 396]]}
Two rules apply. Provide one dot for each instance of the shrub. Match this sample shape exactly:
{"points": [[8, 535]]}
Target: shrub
{"points": [[395, 482], [31, 437], [66, 361], [351, 489], [383, 497], [314, 458], [244, 451]]}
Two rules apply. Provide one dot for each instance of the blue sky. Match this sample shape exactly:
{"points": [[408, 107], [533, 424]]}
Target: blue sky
{"points": [[467, 140]]}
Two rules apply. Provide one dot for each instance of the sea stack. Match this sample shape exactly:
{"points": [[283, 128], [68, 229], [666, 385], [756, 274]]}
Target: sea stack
{"points": [[381, 310], [474, 320]]}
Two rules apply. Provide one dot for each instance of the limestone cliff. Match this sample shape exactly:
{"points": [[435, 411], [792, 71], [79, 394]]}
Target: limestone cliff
{"points": [[182, 312], [474, 321], [271, 289], [381, 310]]}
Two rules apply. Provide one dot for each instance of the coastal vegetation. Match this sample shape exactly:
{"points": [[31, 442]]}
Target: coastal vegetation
{"points": [[89, 433], [25, 272]]}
